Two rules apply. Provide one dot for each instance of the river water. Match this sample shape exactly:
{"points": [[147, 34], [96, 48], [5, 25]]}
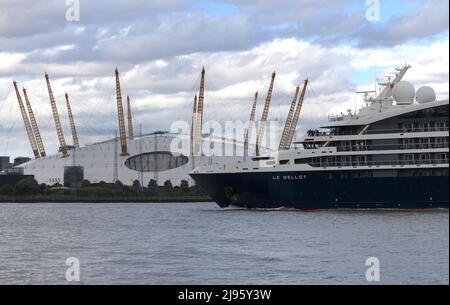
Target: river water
{"points": [[199, 243]]}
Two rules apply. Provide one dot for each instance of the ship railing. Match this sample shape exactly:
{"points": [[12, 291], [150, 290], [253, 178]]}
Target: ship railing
{"points": [[318, 133], [335, 118], [406, 130], [363, 147], [379, 163]]}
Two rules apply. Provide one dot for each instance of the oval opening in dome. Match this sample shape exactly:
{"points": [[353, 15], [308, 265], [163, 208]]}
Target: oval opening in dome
{"points": [[156, 161]]}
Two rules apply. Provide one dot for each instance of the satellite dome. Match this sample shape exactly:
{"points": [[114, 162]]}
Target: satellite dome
{"points": [[425, 94], [403, 93]]}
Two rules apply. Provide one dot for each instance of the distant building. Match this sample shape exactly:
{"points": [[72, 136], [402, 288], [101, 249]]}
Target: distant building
{"points": [[12, 179], [21, 160], [4, 163]]}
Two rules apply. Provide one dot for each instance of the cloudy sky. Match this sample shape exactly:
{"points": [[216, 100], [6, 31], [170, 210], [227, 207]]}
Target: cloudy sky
{"points": [[160, 46]]}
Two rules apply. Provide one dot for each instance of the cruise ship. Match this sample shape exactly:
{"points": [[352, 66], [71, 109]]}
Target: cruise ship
{"points": [[392, 153]]}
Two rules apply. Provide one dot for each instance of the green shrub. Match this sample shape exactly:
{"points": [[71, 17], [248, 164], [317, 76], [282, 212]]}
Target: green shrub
{"points": [[184, 186], [6, 190], [168, 185], [27, 186], [85, 183]]}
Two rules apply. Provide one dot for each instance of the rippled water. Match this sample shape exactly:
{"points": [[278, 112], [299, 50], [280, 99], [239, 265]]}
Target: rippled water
{"points": [[198, 243]]}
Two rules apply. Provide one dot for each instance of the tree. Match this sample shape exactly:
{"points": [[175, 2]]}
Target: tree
{"points": [[136, 186], [7, 190], [184, 186], [42, 187], [152, 184], [85, 183], [27, 186], [118, 184], [126, 189], [152, 187], [168, 185]]}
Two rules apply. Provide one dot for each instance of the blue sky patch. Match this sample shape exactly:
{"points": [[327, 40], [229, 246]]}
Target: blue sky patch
{"points": [[215, 8]]}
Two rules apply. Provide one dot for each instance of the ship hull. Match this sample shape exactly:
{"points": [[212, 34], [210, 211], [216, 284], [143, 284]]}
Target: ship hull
{"points": [[323, 190]]}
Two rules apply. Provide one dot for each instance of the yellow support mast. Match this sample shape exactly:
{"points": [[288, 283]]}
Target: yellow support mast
{"points": [[122, 133], [26, 122], [287, 125], [251, 122], [59, 130], [130, 119], [193, 125], [37, 134], [199, 116], [76, 144], [296, 115], [265, 114]]}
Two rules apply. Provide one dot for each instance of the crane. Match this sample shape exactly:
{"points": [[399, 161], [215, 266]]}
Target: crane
{"points": [[122, 134], [262, 123], [26, 122], [59, 130], [37, 134], [288, 123], [72, 123]]}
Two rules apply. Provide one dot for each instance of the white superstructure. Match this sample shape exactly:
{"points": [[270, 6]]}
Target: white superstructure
{"points": [[397, 129]]}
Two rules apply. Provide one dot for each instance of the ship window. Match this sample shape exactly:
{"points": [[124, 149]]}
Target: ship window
{"points": [[261, 158], [282, 162], [302, 161]]}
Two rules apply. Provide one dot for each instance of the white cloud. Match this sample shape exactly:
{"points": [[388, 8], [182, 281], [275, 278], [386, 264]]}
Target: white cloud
{"points": [[9, 61]]}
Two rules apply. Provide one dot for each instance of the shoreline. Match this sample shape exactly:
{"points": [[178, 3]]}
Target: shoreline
{"points": [[63, 199]]}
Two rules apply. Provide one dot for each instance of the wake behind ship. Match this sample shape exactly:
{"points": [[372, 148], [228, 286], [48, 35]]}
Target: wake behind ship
{"points": [[393, 153]]}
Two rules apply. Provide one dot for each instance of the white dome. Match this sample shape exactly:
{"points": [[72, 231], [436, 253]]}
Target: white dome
{"points": [[403, 93], [425, 94]]}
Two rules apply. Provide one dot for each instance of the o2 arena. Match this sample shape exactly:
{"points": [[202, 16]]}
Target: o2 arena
{"points": [[128, 157]]}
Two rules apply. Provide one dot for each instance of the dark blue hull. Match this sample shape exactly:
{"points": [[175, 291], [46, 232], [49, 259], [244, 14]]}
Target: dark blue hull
{"points": [[324, 190]]}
